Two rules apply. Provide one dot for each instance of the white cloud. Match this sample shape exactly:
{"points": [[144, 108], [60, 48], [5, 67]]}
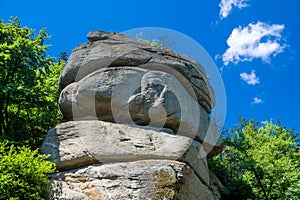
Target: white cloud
{"points": [[251, 78], [257, 100], [227, 5], [258, 40]]}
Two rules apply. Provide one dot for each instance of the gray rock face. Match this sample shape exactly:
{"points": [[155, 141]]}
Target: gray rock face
{"points": [[97, 35], [145, 179], [78, 143], [128, 94], [137, 124], [118, 50]]}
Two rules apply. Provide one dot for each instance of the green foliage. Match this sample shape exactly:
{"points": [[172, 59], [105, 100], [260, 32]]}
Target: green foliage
{"points": [[63, 56], [153, 43], [28, 109], [28, 81], [23, 173], [260, 161]]}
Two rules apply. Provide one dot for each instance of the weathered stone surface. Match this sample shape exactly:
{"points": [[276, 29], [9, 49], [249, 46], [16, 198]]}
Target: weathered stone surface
{"points": [[155, 132], [117, 50], [97, 35], [77, 143], [145, 179], [212, 143], [196, 158], [216, 185], [131, 94]]}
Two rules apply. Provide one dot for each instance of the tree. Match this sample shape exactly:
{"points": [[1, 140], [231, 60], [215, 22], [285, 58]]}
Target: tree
{"points": [[28, 94], [28, 109], [260, 161], [63, 56]]}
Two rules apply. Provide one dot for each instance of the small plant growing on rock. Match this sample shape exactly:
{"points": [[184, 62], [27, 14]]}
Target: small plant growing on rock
{"points": [[153, 43]]}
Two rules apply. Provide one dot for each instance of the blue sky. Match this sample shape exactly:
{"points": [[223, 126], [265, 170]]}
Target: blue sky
{"points": [[255, 44]]}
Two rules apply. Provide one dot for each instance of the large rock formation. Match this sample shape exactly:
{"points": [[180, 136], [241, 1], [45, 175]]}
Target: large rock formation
{"points": [[136, 124]]}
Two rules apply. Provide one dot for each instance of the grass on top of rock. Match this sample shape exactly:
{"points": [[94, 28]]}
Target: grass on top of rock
{"points": [[153, 43]]}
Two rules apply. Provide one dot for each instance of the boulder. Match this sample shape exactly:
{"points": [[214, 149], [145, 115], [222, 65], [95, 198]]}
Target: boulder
{"points": [[145, 179], [133, 95], [97, 35], [78, 143], [118, 50], [136, 124]]}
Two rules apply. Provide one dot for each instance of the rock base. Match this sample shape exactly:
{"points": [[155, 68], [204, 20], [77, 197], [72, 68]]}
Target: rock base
{"points": [[144, 179]]}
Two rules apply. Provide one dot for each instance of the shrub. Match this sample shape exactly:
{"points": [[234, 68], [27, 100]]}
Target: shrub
{"points": [[23, 173]]}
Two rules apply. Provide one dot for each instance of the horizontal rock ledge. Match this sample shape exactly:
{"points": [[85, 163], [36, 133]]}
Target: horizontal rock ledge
{"points": [[78, 143]]}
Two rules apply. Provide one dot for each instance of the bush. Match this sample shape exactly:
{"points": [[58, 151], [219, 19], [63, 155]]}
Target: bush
{"points": [[23, 173]]}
